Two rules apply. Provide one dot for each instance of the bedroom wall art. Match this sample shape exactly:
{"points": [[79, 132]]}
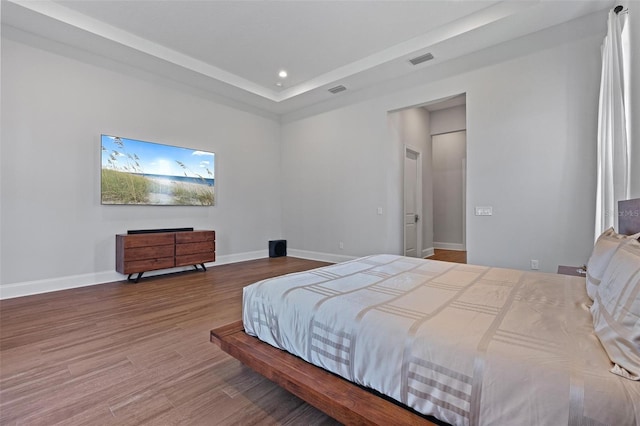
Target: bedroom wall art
{"points": [[135, 172]]}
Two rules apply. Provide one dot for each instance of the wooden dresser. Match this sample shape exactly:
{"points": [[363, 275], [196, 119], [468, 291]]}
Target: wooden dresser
{"points": [[138, 253]]}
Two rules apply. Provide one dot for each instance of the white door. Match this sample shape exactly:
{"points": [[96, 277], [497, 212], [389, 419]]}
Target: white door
{"points": [[412, 203]]}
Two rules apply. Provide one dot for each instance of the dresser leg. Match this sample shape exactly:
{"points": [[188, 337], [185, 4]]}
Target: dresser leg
{"points": [[137, 278]]}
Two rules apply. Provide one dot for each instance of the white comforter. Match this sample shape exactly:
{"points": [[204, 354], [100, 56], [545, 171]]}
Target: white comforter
{"points": [[469, 345]]}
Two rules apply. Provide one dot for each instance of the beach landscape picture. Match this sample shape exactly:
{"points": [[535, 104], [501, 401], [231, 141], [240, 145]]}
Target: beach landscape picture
{"points": [[146, 173]]}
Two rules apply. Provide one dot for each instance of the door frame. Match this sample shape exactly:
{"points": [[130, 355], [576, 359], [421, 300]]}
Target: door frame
{"points": [[464, 195], [463, 225], [418, 189]]}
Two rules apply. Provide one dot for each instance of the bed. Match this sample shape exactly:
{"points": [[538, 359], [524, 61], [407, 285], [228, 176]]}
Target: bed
{"points": [[387, 339]]}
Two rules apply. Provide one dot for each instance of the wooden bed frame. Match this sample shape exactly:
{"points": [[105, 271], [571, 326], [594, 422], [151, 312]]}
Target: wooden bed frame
{"points": [[344, 401]]}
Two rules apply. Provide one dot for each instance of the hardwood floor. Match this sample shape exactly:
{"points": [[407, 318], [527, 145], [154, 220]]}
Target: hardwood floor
{"points": [[449, 256], [126, 354]]}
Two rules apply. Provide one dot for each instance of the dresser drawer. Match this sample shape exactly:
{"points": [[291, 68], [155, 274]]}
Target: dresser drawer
{"points": [[200, 247], [149, 252], [148, 265], [137, 253], [144, 240], [194, 259], [194, 236]]}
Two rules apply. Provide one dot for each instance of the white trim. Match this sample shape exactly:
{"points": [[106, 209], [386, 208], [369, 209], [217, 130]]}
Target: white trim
{"points": [[449, 246], [27, 288], [322, 257], [464, 193], [418, 189], [239, 257], [428, 252], [459, 27]]}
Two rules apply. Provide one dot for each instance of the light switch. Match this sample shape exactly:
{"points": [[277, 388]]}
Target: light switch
{"points": [[484, 210], [380, 210]]}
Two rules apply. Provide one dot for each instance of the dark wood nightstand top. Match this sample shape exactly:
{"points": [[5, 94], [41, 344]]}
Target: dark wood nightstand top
{"points": [[577, 271]]}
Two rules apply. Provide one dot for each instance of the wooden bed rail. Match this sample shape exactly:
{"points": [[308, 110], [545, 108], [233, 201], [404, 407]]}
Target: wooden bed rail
{"points": [[335, 396]]}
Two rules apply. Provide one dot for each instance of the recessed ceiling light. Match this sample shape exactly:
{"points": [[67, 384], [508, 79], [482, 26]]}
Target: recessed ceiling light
{"points": [[279, 84], [282, 74]]}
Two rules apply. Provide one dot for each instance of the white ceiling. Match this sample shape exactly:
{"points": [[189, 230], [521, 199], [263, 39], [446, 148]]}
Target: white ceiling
{"points": [[236, 48]]}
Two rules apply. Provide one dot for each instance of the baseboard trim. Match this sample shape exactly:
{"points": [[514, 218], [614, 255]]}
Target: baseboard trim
{"points": [[449, 246], [28, 288], [428, 252], [319, 256], [225, 259]]}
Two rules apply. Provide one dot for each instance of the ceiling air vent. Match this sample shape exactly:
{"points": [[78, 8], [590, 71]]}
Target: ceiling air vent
{"points": [[422, 58], [337, 89]]}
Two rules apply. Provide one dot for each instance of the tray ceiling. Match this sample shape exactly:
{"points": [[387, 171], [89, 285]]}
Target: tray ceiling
{"points": [[236, 48]]}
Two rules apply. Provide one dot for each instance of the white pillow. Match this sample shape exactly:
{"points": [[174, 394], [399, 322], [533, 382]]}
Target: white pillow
{"points": [[606, 245], [616, 310]]}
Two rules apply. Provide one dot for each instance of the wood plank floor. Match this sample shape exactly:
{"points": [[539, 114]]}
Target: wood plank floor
{"points": [[127, 354], [449, 256]]}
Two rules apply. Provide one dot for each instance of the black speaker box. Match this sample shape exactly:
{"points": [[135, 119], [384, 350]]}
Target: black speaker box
{"points": [[277, 248], [154, 231]]}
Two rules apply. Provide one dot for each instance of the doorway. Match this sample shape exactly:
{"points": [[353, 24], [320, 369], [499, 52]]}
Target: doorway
{"points": [[412, 202], [449, 190], [434, 158]]}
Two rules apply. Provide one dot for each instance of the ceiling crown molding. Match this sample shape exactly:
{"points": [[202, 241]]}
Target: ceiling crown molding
{"points": [[481, 28]]}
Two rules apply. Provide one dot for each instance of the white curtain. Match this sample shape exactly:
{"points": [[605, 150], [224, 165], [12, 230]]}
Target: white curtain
{"points": [[613, 149]]}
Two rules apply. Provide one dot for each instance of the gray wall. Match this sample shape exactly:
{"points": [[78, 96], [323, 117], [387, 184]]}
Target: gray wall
{"points": [[449, 151], [55, 233], [527, 117], [449, 120], [448, 187], [316, 178], [412, 127]]}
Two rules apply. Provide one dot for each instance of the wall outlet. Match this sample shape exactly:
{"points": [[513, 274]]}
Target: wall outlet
{"points": [[341, 245], [535, 264]]}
